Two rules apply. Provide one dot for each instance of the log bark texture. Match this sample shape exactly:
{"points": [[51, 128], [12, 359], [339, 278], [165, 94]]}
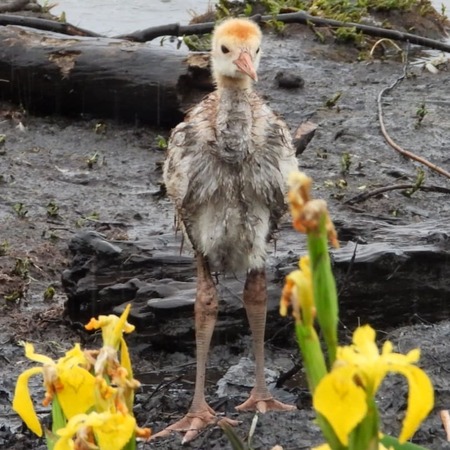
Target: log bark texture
{"points": [[387, 275], [49, 73]]}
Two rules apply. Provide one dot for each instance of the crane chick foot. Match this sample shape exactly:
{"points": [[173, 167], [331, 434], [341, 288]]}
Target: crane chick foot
{"points": [[193, 423], [262, 405]]}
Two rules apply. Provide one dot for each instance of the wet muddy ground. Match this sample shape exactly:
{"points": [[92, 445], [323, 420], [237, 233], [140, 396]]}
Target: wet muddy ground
{"points": [[59, 177]]}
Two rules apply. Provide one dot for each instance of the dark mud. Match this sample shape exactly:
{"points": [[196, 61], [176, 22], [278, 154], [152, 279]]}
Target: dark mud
{"points": [[119, 196]]}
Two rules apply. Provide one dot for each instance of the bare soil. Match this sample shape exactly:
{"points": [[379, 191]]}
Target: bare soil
{"points": [[48, 166]]}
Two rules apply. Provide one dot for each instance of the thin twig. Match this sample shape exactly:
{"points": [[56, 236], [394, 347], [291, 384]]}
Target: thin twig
{"points": [[175, 29], [349, 271], [365, 195], [302, 17], [445, 417], [389, 140]]}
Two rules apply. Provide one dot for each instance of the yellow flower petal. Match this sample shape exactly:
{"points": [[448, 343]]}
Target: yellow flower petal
{"points": [[420, 399], [22, 403], [122, 326], [341, 401], [371, 367], [364, 341], [112, 430], [116, 430], [112, 327], [64, 444], [29, 353], [69, 431], [298, 294], [77, 395], [74, 357], [125, 360]]}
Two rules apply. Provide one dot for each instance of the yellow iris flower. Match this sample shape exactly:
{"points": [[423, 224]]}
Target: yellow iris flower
{"points": [[106, 430], [298, 293], [112, 327], [341, 396], [305, 211], [67, 378]]}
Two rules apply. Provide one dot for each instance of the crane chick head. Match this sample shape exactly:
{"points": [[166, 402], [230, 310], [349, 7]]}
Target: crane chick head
{"points": [[236, 51]]}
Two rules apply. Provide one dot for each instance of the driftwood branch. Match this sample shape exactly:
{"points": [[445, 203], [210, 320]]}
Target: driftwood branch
{"points": [[297, 17], [390, 141], [176, 29], [394, 187]]}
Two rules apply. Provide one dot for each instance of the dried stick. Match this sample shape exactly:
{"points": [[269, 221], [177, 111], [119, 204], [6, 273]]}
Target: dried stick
{"points": [[389, 140], [175, 29], [298, 17], [365, 195]]}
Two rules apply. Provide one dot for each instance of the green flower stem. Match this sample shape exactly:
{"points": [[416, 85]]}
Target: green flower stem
{"points": [[58, 418], [313, 359], [329, 434], [316, 369], [365, 435], [131, 445], [324, 287], [58, 421]]}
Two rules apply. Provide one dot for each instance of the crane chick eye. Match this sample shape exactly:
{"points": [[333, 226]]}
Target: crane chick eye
{"points": [[257, 51], [224, 49]]}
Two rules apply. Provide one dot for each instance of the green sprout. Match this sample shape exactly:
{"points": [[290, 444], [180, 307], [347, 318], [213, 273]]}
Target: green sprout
{"points": [[49, 293], [444, 16], [420, 180], [20, 209], [13, 297], [346, 162], [21, 267], [4, 248], [248, 9], [198, 43], [92, 160], [161, 142], [52, 209], [47, 6], [100, 128], [421, 112], [332, 101], [348, 34]]}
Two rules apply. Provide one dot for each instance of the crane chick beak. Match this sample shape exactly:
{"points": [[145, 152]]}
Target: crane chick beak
{"points": [[245, 64]]}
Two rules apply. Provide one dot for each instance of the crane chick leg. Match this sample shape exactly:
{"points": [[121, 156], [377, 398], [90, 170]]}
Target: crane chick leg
{"points": [[200, 414], [255, 301]]}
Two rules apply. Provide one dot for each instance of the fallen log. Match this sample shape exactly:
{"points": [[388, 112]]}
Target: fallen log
{"points": [[45, 25], [387, 275], [15, 5], [49, 73]]}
